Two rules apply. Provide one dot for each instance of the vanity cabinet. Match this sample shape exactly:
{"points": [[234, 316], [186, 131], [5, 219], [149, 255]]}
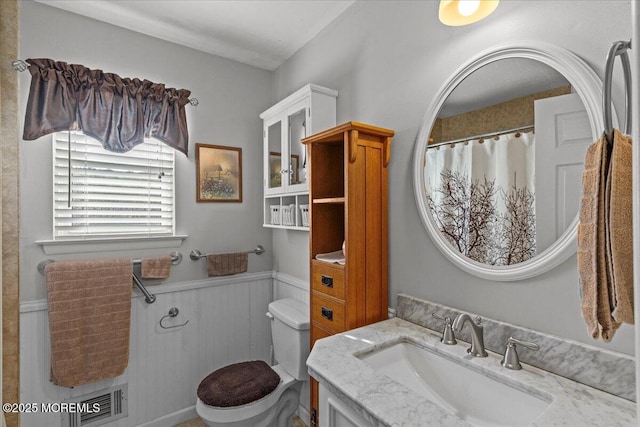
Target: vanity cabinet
{"points": [[348, 203], [286, 193], [335, 413]]}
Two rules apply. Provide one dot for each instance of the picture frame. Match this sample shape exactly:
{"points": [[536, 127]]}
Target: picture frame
{"points": [[295, 163], [275, 164], [218, 173]]}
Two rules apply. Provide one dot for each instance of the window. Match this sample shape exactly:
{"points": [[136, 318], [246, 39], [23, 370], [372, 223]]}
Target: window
{"points": [[111, 194]]}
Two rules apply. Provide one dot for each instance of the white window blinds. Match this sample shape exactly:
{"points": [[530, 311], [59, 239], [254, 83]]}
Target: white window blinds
{"points": [[112, 194]]}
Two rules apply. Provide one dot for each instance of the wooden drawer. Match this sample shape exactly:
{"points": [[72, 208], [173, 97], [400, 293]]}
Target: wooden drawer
{"points": [[318, 333], [328, 279], [327, 312]]}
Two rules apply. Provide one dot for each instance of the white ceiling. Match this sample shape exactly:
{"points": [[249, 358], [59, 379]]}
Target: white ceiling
{"points": [[259, 33]]}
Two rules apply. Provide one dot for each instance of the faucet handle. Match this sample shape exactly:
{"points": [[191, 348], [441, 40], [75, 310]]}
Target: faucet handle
{"points": [[440, 317], [511, 359], [448, 337], [527, 344]]}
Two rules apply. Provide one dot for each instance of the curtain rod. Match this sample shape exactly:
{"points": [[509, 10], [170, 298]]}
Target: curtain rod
{"points": [[502, 132], [20, 65]]}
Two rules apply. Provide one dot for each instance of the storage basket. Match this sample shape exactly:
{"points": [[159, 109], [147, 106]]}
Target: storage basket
{"points": [[304, 211], [275, 214], [288, 215]]}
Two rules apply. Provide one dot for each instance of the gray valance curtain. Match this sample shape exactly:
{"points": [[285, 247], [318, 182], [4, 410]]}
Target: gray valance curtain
{"points": [[119, 112]]}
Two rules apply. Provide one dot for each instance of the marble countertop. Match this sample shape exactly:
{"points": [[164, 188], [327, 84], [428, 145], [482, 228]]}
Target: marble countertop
{"points": [[385, 402]]}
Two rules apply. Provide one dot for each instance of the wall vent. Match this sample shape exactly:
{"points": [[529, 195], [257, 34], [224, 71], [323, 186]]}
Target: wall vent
{"points": [[97, 408]]}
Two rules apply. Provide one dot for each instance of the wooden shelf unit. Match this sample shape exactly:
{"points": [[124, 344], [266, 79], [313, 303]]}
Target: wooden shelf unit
{"points": [[329, 200], [348, 203]]}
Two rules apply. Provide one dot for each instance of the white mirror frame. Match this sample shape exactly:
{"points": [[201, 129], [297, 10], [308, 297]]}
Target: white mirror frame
{"points": [[588, 86]]}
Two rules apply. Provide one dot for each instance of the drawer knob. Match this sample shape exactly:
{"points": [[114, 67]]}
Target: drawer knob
{"points": [[327, 281], [327, 313]]}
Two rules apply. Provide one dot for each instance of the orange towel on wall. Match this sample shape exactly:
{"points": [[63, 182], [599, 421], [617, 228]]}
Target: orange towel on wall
{"points": [[156, 267], [89, 319], [592, 258], [605, 258], [227, 264], [620, 236]]}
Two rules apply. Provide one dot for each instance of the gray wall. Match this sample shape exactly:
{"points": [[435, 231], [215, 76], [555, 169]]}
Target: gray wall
{"points": [[388, 60], [231, 97]]}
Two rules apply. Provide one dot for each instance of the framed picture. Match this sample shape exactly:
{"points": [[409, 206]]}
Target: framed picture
{"points": [[275, 164], [295, 165], [218, 173]]}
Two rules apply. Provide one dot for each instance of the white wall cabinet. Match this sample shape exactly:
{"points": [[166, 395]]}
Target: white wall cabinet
{"points": [[286, 192], [335, 413]]}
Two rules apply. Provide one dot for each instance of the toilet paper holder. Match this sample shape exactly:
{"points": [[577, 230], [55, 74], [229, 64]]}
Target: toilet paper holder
{"points": [[173, 312]]}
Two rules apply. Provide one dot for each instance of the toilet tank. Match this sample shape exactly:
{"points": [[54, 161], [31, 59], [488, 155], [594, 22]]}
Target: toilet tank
{"points": [[290, 333]]}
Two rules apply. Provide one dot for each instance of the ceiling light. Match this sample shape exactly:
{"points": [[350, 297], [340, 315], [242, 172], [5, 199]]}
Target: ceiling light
{"points": [[462, 12], [468, 7]]}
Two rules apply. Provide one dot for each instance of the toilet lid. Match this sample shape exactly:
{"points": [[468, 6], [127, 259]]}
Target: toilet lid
{"points": [[238, 384]]}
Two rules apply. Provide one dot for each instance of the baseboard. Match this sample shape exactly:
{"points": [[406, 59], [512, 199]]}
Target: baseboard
{"points": [[304, 415], [189, 413], [174, 418]]}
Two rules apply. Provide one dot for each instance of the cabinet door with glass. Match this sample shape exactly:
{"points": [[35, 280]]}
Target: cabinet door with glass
{"points": [[285, 156], [309, 110]]}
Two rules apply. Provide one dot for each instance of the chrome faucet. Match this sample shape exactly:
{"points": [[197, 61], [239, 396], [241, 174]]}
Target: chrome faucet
{"points": [[477, 333]]}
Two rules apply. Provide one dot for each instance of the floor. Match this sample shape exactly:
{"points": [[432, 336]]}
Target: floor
{"points": [[197, 422]]}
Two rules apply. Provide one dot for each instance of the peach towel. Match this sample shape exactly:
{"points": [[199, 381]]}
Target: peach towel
{"points": [[620, 237], [155, 267], [605, 257], [227, 264], [592, 253], [89, 319]]}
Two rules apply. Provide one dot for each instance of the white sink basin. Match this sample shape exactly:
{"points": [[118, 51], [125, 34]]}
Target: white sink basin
{"points": [[469, 395]]}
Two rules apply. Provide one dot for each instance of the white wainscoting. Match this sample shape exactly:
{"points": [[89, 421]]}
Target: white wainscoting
{"points": [[285, 286], [226, 325]]}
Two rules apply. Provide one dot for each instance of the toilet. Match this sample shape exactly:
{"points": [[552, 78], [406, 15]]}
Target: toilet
{"points": [[253, 394]]}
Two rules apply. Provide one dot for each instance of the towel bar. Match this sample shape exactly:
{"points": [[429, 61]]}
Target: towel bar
{"points": [[618, 48], [196, 254], [149, 298], [176, 258]]}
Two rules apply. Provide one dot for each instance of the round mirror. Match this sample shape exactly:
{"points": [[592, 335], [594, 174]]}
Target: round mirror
{"points": [[499, 158]]}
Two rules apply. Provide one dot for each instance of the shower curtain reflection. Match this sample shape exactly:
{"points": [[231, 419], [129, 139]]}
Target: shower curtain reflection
{"points": [[481, 194]]}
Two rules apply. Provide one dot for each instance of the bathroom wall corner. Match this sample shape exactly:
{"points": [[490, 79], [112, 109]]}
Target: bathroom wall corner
{"points": [[9, 206]]}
